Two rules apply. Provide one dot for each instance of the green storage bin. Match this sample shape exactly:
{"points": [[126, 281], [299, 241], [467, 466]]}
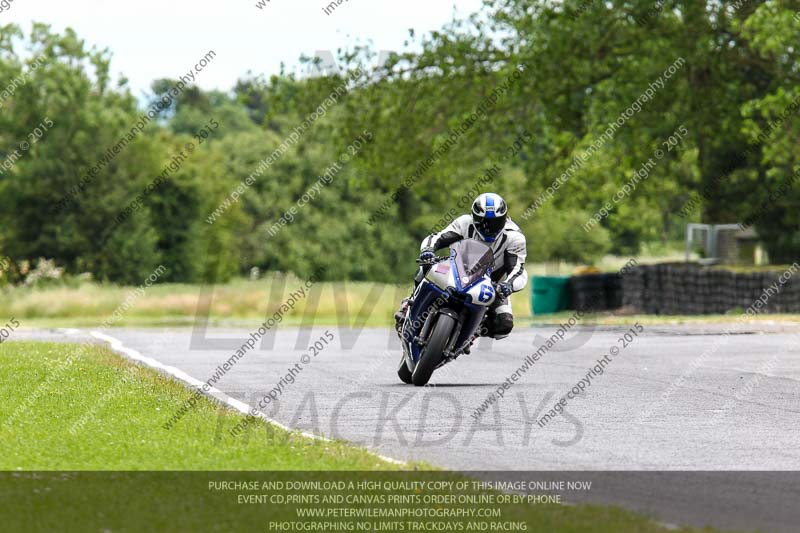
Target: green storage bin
{"points": [[549, 294]]}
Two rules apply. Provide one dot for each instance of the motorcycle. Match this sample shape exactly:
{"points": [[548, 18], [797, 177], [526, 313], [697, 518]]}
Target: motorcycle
{"points": [[446, 310]]}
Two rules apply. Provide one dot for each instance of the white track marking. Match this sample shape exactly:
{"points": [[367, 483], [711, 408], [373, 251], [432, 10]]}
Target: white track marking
{"points": [[213, 392]]}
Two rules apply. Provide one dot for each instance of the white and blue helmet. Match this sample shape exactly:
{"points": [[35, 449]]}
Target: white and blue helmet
{"points": [[489, 214]]}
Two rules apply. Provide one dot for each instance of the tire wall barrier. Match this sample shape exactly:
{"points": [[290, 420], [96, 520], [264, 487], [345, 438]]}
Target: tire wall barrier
{"points": [[680, 289], [691, 289]]}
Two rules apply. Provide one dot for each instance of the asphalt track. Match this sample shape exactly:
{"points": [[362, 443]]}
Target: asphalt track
{"points": [[692, 400]]}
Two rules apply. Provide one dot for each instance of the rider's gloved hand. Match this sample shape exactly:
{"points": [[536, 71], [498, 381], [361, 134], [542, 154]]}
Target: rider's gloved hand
{"points": [[504, 288], [427, 256]]}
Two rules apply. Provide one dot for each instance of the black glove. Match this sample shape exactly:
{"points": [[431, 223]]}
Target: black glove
{"points": [[504, 288]]}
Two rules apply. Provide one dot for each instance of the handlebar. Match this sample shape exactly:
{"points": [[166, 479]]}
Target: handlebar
{"points": [[432, 261]]}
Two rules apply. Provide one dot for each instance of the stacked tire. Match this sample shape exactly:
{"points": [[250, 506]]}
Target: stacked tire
{"points": [[589, 292], [691, 289], [633, 289]]}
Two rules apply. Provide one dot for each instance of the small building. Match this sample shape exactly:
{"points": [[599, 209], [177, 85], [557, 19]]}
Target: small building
{"points": [[725, 244]]}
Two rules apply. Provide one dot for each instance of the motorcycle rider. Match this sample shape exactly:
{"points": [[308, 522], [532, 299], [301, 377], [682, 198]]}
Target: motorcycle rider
{"points": [[489, 223]]}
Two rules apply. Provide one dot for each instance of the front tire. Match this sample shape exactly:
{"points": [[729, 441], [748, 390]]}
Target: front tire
{"points": [[432, 355]]}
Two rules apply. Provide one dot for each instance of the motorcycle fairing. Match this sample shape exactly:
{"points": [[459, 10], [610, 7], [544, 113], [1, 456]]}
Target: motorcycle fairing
{"points": [[424, 298]]}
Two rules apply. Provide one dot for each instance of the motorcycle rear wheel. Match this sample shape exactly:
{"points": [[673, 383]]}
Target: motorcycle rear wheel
{"points": [[432, 355]]}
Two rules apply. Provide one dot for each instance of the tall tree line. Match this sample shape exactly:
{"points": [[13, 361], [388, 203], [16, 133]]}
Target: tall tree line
{"points": [[579, 66]]}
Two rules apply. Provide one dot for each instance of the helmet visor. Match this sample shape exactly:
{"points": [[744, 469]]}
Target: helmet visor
{"points": [[491, 226]]}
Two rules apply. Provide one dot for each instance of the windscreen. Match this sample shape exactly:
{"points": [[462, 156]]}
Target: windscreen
{"points": [[472, 260]]}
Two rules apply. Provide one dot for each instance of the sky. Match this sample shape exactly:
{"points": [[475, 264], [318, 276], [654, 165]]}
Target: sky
{"points": [[153, 39]]}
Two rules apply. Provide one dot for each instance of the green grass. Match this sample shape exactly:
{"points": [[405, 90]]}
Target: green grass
{"points": [[238, 302], [119, 422], [120, 407]]}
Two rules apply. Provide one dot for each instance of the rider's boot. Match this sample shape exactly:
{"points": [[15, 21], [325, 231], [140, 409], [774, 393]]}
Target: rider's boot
{"points": [[483, 331]]}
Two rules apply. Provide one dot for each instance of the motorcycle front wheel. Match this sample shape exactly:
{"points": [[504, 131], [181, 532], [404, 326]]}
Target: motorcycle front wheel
{"points": [[432, 355]]}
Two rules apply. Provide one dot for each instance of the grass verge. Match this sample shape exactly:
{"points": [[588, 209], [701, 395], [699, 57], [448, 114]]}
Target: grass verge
{"points": [[82, 407]]}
